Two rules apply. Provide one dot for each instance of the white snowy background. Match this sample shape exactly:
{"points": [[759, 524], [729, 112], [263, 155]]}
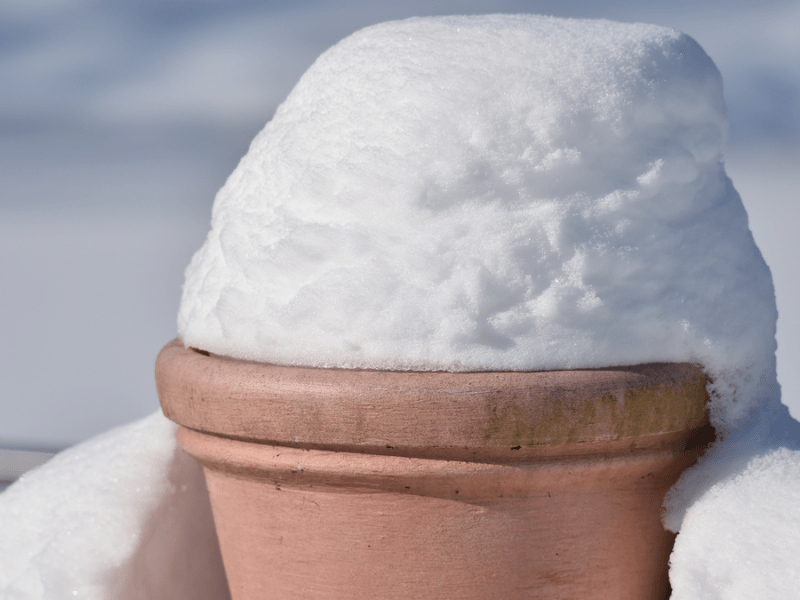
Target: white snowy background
{"points": [[119, 121]]}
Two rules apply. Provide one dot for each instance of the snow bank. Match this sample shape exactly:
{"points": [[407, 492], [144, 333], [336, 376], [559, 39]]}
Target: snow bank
{"points": [[741, 538], [124, 515]]}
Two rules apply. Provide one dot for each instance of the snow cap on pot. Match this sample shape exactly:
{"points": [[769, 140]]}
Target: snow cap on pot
{"points": [[492, 193]]}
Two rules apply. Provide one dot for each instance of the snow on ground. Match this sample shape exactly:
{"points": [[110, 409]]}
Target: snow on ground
{"points": [[739, 539], [750, 476], [124, 515]]}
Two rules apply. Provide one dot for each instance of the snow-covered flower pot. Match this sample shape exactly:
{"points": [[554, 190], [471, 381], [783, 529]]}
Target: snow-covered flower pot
{"points": [[329, 483]]}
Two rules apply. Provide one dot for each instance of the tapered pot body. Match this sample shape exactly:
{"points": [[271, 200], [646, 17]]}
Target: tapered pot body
{"points": [[337, 484]]}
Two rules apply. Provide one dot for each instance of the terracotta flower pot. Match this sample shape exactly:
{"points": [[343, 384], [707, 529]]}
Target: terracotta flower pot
{"points": [[341, 484]]}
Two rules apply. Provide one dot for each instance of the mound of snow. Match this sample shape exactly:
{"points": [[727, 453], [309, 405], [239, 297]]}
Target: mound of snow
{"points": [[741, 538], [492, 193], [123, 516]]}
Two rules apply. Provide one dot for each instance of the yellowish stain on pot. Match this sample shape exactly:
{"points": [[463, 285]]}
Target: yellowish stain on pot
{"points": [[562, 420]]}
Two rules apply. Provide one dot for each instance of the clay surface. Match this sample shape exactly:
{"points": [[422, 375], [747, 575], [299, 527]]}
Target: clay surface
{"points": [[269, 403], [340, 484], [296, 523]]}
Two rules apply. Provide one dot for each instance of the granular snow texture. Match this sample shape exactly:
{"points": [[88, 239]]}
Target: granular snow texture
{"points": [[741, 538], [123, 516], [492, 193]]}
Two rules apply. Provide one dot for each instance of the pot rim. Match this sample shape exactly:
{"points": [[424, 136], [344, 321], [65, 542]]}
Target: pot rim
{"points": [[397, 410]]}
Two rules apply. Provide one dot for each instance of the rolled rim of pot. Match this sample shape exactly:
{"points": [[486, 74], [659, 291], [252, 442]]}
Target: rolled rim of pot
{"points": [[638, 406]]}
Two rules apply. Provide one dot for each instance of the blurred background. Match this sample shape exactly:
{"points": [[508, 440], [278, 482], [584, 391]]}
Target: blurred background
{"points": [[120, 120]]}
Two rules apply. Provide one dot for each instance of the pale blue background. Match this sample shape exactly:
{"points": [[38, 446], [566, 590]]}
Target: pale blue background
{"points": [[120, 120]]}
